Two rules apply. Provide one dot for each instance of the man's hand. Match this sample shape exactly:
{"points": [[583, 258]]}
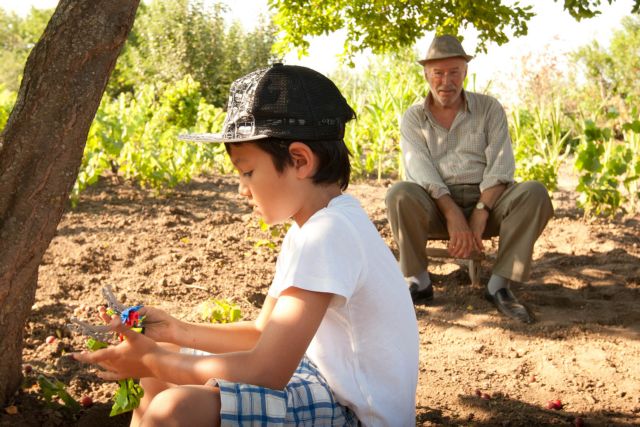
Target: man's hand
{"points": [[478, 223], [461, 238], [479, 217]]}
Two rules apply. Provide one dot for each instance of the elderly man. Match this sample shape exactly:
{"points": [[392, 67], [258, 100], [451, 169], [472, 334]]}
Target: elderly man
{"points": [[459, 168]]}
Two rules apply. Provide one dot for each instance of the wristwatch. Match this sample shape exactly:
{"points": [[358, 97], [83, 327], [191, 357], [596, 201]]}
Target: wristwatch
{"points": [[481, 205]]}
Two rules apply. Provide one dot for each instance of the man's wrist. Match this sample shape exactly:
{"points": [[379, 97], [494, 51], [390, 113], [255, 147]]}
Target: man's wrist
{"points": [[482, 206]]}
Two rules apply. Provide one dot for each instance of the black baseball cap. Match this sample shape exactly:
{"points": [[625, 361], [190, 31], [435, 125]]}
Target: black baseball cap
{"points": [[285, 102]]}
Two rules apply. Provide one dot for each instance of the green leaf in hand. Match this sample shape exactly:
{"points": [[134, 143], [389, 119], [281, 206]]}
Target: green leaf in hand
{"points": [[94, 344], [127, 397]]}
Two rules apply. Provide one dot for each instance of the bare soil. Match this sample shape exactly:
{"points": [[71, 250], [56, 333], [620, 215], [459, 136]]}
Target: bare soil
{"points": [[199, 241]]}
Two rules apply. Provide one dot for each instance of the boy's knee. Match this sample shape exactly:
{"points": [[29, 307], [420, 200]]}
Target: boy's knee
{"points": [[184, 405], [169, 406], [164, 408]]}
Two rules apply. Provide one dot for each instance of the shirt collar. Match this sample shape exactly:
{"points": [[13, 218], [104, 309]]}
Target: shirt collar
{"points": [[469, 103]]}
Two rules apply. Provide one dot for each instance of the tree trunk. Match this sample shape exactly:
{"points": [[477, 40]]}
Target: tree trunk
{"points": [[41, 149]]}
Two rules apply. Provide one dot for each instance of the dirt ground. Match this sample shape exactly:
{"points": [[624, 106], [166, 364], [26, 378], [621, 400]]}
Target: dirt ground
{"points": [[177, 250]]}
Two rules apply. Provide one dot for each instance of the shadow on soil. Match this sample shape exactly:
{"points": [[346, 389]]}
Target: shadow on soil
{"points": [[520, 413], [602, 289]]}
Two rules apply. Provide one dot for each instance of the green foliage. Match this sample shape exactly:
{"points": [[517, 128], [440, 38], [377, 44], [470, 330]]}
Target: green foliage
{"points": [[605, 166], [612, 73], [389, 25], [17, 38], [540, 144], [127, 397], [631, 133], [171, 40], [136, 137], [94, 344], [173, 76], [276, 232], [581, 9], [380, 95], [558, 114], [51, 388], [219, 311]]}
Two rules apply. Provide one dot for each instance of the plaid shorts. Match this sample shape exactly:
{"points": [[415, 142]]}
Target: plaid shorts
{"points": [[306, 400]]}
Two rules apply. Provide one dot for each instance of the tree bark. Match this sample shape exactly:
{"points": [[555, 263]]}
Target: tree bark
{"points": [[41, 150]]}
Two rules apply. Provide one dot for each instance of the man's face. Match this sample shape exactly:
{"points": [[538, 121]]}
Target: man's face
{"points": [[445, 78]]}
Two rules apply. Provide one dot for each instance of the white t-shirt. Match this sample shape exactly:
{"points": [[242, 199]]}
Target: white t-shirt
{"points": [[367, 343]]}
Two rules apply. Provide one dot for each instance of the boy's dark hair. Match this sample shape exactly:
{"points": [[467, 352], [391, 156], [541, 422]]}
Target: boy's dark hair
{"points": [[278, 105], [334, 165]]}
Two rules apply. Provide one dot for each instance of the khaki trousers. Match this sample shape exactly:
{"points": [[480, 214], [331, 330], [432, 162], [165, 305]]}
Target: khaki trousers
{"points": [[518, 218]]}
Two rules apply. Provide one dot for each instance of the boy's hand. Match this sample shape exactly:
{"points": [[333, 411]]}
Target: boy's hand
{"points": [[158, 325], [125, 360]]}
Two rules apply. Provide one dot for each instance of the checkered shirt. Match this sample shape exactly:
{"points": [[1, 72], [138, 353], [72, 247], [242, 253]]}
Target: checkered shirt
{"points": [[475, 150]]}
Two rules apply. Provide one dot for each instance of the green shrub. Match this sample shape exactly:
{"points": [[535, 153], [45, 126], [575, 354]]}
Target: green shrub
{"points": [[136, 137], [540, 144], [219, 311], [606, 166], [380, 95]]}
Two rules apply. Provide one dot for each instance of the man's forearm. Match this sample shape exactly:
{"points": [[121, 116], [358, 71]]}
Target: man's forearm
{"points": [[447, 206], [491, 195]]}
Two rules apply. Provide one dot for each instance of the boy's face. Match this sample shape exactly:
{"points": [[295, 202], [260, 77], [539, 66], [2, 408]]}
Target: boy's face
{"points": [[272, 194]]}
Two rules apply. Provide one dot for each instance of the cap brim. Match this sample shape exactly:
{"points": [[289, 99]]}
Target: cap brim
{"points": [[216, 138]]}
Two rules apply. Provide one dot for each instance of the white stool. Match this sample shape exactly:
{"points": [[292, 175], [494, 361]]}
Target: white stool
{"points": [[474, 262]]}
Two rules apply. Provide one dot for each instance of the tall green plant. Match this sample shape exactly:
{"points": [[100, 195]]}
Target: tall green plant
{"points": [[540, 144], [631, 133], [612, 71], [173, 39], [136, 137], [380, 95], [17, 36], [605, 166]]}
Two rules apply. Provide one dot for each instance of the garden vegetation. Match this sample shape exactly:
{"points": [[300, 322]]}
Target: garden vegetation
{"points": [[181, 58]]}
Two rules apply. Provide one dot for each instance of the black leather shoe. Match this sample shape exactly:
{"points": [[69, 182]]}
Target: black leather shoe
{"points": [[507, 304], [424, 295]]}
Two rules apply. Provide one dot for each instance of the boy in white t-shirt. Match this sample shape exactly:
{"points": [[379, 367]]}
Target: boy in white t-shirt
{"points": [[336, 341]]}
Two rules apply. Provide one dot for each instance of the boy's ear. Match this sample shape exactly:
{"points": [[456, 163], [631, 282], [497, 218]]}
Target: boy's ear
{"points": [[304, 161]]}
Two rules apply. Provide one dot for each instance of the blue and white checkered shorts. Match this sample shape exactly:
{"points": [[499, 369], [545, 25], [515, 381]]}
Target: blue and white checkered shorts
{"points": [[306, 400]]}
